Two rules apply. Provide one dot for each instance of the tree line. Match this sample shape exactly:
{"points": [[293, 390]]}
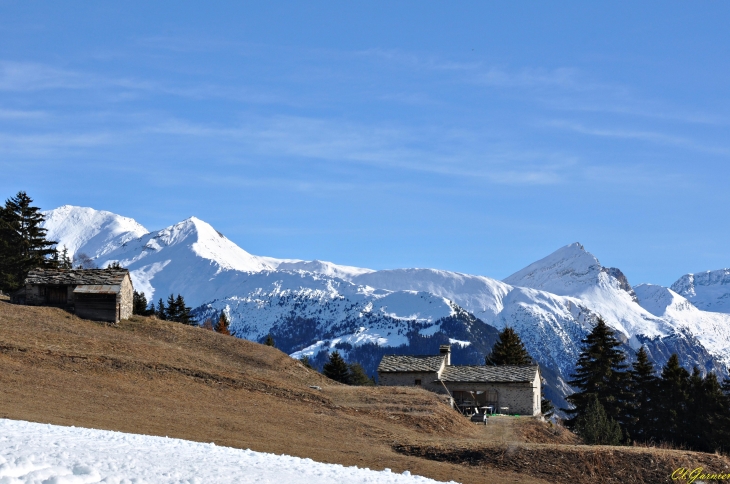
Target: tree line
{"points": [[618, 404]]}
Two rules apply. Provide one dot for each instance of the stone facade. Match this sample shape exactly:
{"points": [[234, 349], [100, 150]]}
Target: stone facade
{"points": [[508, 389], [97, 294]]}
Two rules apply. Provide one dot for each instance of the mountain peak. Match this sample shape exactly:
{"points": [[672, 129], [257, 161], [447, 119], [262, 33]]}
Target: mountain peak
{"points": [[566, 271], [93, 232], [709, 290]]}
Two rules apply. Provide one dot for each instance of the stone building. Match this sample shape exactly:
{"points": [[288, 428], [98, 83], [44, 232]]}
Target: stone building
{"points": [[495, 389], [97, 294]]}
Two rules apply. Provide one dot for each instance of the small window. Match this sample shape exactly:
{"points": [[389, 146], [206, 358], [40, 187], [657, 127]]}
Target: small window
{"points": [[418, 383]]}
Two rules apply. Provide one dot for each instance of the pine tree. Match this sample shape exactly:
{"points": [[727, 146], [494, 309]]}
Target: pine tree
{"points": [[64, 261], [139, 303], [336, 368], [222, 326], [673, 402], [172, 312], [508, 350], [357, 375], [185, 315], [269, 341], [600, 372], [161, 311], [547, 409], [595, 427], [23, 244], [641, 414], [305, 361]]}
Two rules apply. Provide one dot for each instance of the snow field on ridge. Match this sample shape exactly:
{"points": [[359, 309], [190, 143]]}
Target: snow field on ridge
{"points": [[32, 453]]}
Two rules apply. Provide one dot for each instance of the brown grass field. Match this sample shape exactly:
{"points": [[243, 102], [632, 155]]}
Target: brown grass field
{"points": [[158, 378]]}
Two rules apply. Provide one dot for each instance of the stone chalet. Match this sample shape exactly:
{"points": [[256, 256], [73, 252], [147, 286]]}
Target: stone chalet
{"points": [[508, 389], [97, 294]]}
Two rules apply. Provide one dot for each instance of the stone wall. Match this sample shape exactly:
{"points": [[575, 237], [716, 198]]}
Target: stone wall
{"points": [[521, 398], [408, 379], [125, 298]]}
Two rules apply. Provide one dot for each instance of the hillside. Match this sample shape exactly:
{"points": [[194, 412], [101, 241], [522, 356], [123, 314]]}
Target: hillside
{"points": [[158, 378]]}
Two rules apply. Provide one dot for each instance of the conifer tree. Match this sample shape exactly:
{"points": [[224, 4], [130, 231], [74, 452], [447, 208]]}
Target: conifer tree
{"points": [[600, 372], [547, 409], [711, 412], [185, 315], [508, 350], [595, 427], [673, 402], [139, 303], [305, 361], [336, 368], [643, 386], [23, 244], [269, 341], [208, 324], [161, 311], [172, 311], [64, 260], [222, 326], [357, 375]]}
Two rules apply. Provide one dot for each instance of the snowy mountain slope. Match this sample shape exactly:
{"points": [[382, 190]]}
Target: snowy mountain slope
{"points": [[571, 271], [265, 302], [712, 330], [316, 266], [89, 231], [708, 291], [189, 258]]}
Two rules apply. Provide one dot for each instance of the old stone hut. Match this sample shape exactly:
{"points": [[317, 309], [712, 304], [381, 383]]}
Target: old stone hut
{"points": [[97, 294], [493, 389]]}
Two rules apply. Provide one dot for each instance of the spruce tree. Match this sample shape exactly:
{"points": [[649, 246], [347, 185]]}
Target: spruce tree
{"points": [[305, 361], [547, 409], [712, 432], [336, 368], [139, 303], [269, 341], [600, 372], [357, 375], [672, 404], [185, 315], [641, 421], [508, 350], [172, 312], [595, 427], [23, 244], [161, 311], [222, 326]]}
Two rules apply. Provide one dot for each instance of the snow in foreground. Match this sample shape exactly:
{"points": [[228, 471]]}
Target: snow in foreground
{"points": [[50, 454]]}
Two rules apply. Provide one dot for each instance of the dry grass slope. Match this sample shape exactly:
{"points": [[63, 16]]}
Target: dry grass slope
{"points": [[159, 378]]}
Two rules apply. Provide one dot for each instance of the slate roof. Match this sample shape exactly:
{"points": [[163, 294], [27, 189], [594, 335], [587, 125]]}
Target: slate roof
{"points": [[392, 363], [506, 373], [73, 277]]}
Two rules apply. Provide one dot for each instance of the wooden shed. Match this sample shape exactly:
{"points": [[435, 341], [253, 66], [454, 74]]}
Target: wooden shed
{"points": [[97, 294]]}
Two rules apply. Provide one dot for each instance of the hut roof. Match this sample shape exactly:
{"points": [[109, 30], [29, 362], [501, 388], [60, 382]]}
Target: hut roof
{"points": [[391, 363], [75, 277], [481, 373]]}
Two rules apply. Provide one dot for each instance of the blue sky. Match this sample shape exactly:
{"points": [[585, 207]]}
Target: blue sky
{"points": [[475, 137]]}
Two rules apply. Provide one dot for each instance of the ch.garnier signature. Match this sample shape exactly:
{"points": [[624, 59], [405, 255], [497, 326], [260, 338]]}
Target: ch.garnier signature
{"points": [[691, 475]]}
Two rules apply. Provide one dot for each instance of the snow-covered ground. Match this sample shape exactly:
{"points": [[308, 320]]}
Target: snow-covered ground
{"points": [[32, 453]]}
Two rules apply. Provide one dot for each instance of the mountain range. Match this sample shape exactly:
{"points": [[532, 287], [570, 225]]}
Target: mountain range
{"points": [[312, 307]]}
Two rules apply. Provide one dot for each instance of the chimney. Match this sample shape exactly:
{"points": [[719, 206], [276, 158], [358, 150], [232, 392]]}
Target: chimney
{"points": [[446, 350]]}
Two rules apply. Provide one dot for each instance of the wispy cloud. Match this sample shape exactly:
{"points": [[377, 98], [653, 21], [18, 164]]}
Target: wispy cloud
{"points": [[431, 151], [640, 135], [30, 76]]}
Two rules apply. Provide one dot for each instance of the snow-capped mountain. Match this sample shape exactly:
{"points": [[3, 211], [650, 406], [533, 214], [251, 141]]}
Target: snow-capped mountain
{"points": [[189, 258], [709, 291], [312, 306], [89, 231]]}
